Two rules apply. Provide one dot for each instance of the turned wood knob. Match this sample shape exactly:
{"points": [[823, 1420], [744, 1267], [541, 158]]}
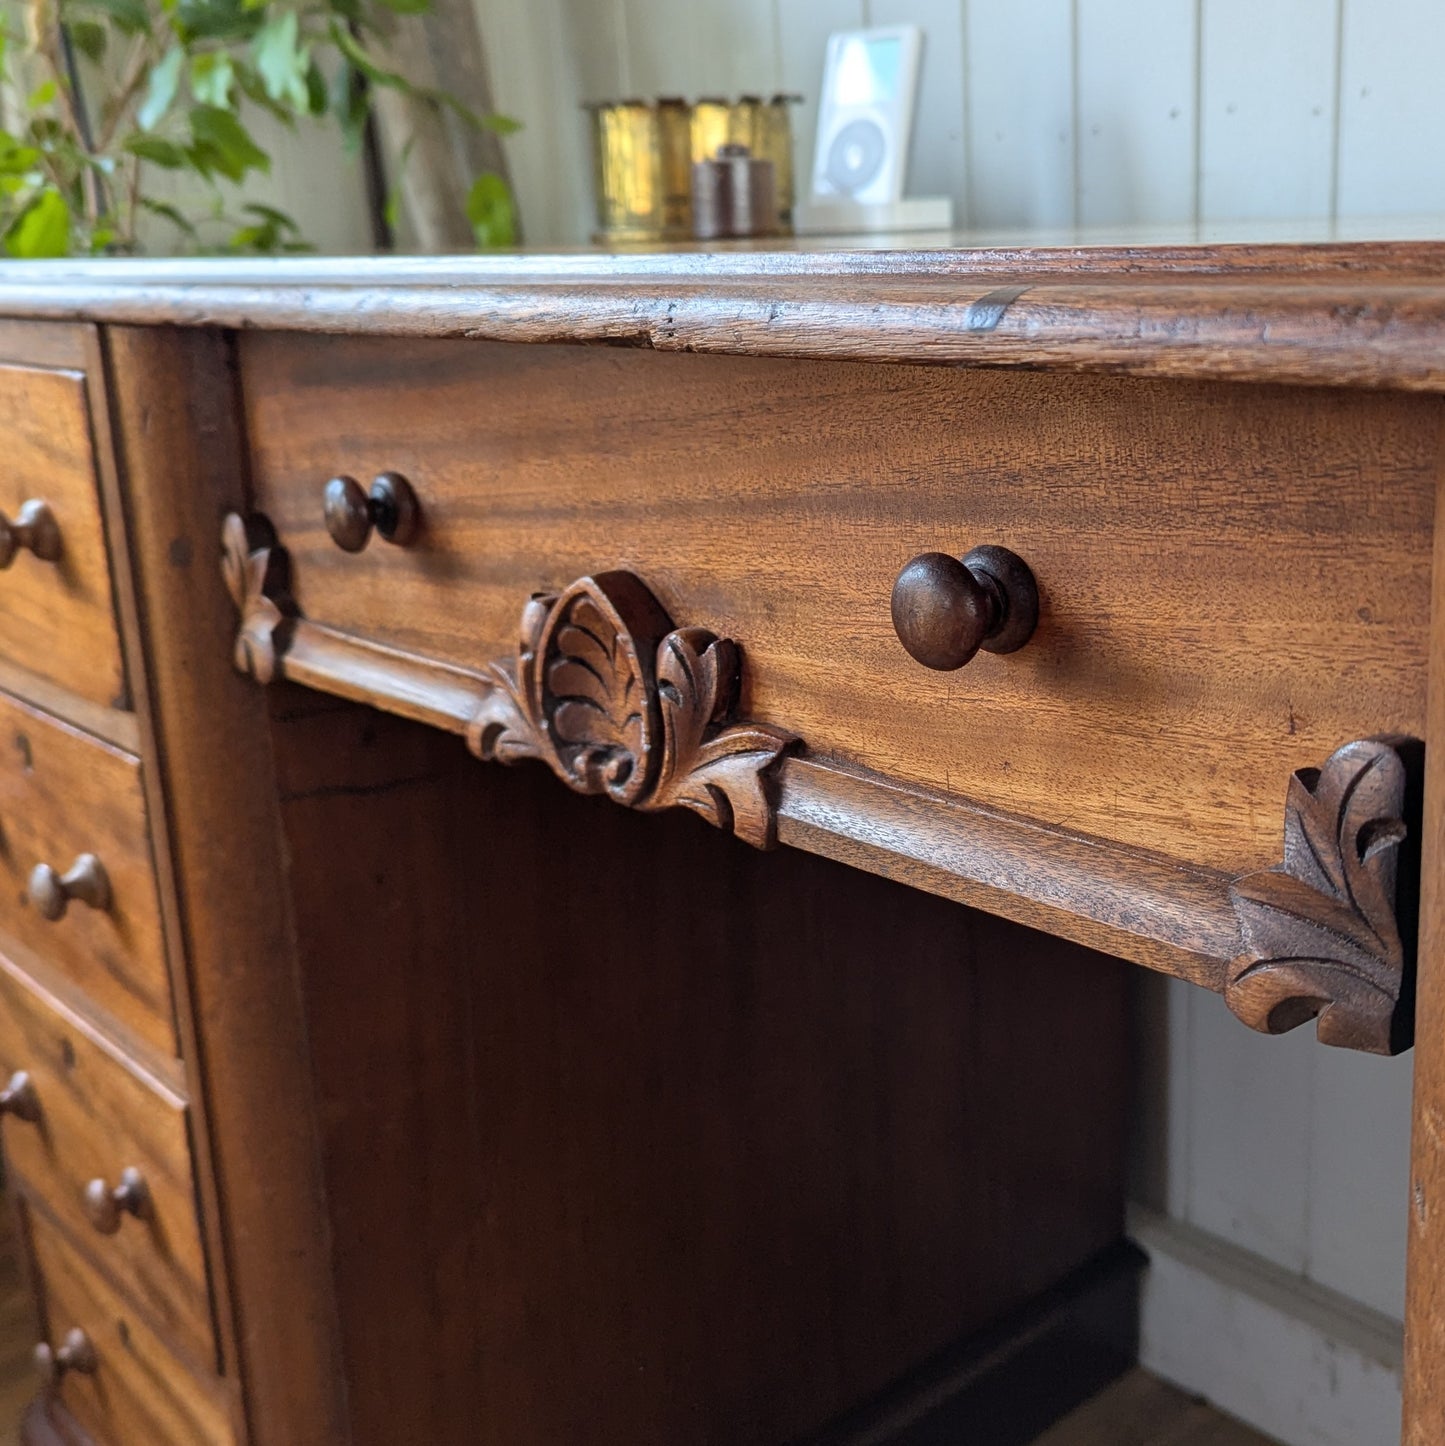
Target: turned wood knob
{"points": [[34, 529], [85, 880], [76, 1354], [106, 1205], [19, 1099], [945, 610], [390, 507]]}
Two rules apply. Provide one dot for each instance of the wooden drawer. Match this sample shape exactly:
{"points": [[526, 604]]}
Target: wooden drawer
{"points": [[64, 794], [1188, 658], [138, 1393], [100, 1116], [57, 618]]}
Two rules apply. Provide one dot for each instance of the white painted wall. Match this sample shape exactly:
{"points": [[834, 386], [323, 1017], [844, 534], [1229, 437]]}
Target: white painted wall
{"points": [[1030, 112]]}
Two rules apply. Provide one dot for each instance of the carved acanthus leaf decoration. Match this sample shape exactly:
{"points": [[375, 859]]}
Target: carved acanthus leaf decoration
{"points": [[1320, 934], [616, 701], [257, 573]]}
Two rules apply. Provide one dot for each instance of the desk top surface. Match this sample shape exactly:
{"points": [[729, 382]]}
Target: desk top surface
{"points": [[1324, 311]]}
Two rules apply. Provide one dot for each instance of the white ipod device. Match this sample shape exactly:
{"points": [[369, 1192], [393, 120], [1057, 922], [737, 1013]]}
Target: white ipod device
{"points": [[865, 115]]}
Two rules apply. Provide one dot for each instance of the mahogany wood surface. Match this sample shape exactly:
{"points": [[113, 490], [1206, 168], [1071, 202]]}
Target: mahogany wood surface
{"points": [[58, 617], [520, 1117], [1174, 681], [1424, 1423], [181, 469], [1360, 315], [64, 794], [98, 1117], [721, 1141], [139, 1394]]}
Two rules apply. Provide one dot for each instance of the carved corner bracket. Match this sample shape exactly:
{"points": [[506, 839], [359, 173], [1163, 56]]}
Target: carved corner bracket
{"points": [[604, 689], [258, 577], [1329, 931], [616, 700]]}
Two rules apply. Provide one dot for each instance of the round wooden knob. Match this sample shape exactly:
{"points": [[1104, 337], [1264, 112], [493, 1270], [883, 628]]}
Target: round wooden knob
{"points": [[85, 880], [34, 529], [19, 1100], [390, 507], [106, 1205], [945, 610], [76, 1354]]}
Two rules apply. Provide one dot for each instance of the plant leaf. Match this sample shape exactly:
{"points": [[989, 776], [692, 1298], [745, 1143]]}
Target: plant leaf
{"points": [[89, 38], [491, 211], [169, 213], [165, 80], [128, 16], [212, 76], [159, 152], [281, 60], [42, 229], [348, 105], [223, 144]]}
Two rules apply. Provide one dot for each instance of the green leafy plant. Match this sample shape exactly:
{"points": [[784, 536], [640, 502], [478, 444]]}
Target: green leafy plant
{"points": [[108, 96]]}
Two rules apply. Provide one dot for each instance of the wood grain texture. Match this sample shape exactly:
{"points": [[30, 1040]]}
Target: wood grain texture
{"points": [[1424, 1420], [179, 455], [695, 1102], [58, 618], [139, 1391], [1367, 315], [1173, 684], [100, 1115], [64, 794]]}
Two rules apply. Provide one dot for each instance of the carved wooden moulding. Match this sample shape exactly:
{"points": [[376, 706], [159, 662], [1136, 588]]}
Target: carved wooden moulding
{"points": [[603, 689], [616, 700], [1329, 931]]}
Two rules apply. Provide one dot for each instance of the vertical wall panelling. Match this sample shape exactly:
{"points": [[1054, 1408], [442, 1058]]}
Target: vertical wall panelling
{"points": [[1359, 1180], [1268, 79], [664, 46], [936, 155], [1392, 108], [594, 38], [803, 27], [535, 77], [1136, 120], [737, 51], [1250, 1133], [1020, 129]]}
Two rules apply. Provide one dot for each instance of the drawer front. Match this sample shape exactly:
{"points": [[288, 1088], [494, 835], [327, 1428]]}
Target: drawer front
{"points": [[1234, 580], [137, 1391], [97, 1119], [63, 795], [58, 617]]}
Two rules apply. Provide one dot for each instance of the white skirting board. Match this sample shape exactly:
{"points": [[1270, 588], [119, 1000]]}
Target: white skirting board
{"points": [[1288, 1357]]}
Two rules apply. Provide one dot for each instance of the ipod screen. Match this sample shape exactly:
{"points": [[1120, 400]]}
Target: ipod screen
{"points": [[868, 71]]}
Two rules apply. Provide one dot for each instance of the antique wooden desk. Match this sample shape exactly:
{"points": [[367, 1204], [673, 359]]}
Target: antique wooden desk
{"points": [[360, 1091]]}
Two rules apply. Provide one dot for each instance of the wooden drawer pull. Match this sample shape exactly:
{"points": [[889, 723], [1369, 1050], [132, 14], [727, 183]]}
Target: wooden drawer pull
{"points": [[77, 1355], [85, 880], [945, 610], [390, 507], [106, 1206], [19, 1100], [34, 529]]}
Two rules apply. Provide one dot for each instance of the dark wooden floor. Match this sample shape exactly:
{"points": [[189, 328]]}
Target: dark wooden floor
{"points": [[1140, 1410]]}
